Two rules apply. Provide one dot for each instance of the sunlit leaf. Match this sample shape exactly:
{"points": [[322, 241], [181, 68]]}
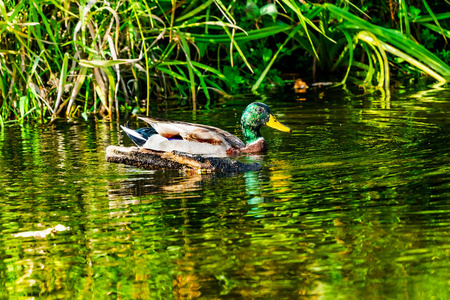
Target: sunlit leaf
{"points": [[269, 9]]}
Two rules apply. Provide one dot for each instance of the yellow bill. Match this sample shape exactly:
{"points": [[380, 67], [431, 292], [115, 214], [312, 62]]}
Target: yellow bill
{"points": [[274, 123]]}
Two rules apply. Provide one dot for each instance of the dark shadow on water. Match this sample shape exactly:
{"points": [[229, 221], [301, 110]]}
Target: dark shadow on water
{"points": [[169, 181]]}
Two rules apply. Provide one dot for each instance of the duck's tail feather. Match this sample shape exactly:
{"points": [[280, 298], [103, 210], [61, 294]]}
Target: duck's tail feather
{"points": [[140, 136], [146, 132]]}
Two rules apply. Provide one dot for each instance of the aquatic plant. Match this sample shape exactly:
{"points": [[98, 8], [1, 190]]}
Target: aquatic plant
{"points": [[68, 58]]}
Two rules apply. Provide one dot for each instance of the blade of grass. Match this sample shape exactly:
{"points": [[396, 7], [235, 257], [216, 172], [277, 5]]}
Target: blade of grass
{"points": [[62, 81], [371, 70], [241, 37], [424, 19], [78, 83], [187, 52], [225, 12], [440, 30], [202, 83], [395, 38], [242, 55], [195, 11], [370, 39], [343, 53], [350, 59], [427, 7], [112, 49], [171, 73], [146, 61], [404, 12]]}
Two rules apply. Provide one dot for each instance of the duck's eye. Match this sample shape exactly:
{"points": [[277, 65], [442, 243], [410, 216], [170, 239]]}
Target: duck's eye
{"points": [[259, 110]]}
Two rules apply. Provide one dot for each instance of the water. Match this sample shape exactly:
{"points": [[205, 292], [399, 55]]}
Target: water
{"points": [[354, 204]]}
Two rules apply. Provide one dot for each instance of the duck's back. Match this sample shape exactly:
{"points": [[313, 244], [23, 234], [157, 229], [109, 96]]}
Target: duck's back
{"points": [[191, 138]]}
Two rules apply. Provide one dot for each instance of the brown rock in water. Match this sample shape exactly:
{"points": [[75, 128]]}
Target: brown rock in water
{"points": [[156, 160]]}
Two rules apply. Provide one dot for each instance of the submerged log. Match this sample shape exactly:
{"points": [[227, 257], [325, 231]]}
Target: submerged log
{"points": [[156, 160]]}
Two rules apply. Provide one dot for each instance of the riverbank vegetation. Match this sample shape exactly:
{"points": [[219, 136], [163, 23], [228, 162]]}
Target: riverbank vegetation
{"points": [[75, 58]]}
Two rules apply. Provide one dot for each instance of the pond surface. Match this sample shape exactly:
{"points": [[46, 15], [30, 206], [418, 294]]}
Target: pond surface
{"points": [[354, 204]]}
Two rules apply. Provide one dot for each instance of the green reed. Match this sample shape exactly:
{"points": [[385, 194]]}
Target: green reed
{"points": [[69, 59]]}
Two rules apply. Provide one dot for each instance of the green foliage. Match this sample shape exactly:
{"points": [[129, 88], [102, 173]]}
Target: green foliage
{"points": [[445, 54], [68, 58]]}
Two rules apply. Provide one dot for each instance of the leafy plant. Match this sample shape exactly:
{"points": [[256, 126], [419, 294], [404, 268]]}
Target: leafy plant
{"points": [[74, 59]]}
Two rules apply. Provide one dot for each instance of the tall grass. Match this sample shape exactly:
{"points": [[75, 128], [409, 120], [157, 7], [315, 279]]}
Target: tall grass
{"points": [[75, 58]]}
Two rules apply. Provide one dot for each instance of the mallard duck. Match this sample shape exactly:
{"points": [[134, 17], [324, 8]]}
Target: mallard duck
{"points": [[168, 136]]}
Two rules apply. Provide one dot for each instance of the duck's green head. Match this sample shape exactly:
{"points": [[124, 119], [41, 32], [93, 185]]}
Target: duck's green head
{"points": [[256, 115]]}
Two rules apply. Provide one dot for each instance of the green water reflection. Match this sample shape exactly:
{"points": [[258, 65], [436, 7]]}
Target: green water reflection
{"points": [[353, 205]]}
